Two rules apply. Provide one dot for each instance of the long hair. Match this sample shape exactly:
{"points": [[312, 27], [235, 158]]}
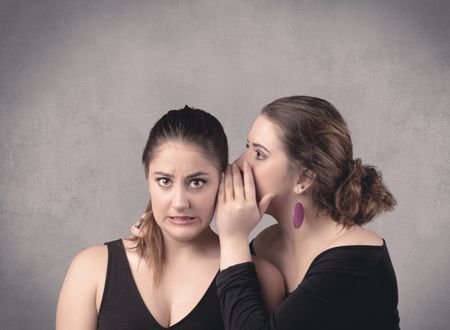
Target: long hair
{"points": [[188, 125], [316, 138]]}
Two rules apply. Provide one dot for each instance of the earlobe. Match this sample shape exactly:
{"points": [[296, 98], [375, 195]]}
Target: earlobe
{"points": [[299, 188], [305, 180]]}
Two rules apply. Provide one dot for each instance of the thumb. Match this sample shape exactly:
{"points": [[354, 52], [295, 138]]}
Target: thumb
{"points": [[264, 203]]}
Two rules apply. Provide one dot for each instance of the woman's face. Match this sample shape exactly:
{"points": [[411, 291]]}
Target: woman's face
{"points": [[268, 161], [183, 186]]}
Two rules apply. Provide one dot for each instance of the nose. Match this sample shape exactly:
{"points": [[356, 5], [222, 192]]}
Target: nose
{"points": [[241, 159], [180, 199]]}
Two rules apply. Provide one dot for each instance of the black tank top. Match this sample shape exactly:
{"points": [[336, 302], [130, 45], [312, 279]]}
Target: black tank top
{"points": [[122, 307]]}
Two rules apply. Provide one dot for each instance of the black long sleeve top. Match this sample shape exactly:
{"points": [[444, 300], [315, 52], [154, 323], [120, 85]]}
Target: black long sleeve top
{"points": [[346, 287]]}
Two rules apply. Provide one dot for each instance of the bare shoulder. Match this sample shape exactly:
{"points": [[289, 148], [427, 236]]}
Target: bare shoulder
{"points": [[271, 282], [266, 268], [91, 255], [265, 241], [78, 300], [88, 268], [358, 235], [90, 263]]}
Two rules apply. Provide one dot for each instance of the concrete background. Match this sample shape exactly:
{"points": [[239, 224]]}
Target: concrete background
{"points": [[82, 82]]}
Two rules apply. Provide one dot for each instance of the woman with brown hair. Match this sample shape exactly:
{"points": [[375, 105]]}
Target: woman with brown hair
{"points": [[165, 278], [299, 168]]}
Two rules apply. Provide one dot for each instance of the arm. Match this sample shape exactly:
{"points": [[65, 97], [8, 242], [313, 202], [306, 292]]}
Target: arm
{"points": [[82, 290], [242, 305], [271, 283], [237, 214], [239, 292]]}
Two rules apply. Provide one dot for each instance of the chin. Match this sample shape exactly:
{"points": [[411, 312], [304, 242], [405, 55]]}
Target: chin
{"points": [[270, 212], [261, 193], [184, 235], [258, 195], [274, 207]]}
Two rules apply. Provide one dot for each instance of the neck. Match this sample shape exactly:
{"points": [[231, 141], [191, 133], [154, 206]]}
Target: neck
{"points": [[317, 229], [205, 244]]}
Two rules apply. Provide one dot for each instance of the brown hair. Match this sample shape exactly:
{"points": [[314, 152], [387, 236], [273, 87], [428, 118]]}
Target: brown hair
{"points": [[316, 139], [189, 125]]}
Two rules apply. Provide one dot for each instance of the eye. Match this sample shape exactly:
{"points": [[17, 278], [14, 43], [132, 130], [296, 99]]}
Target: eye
{"points": [[197, 183], [260, 155], [163, 182]]}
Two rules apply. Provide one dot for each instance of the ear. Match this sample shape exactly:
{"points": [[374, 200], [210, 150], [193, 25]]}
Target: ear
{"points": [[305, 180]]}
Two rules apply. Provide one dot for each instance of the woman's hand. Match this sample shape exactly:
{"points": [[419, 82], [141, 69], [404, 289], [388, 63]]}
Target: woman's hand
{"points": [[237, 209], [237, 213], [136, 228]]}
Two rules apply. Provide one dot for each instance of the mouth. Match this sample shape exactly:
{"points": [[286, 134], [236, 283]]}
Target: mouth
{"points": [[182, 220]]}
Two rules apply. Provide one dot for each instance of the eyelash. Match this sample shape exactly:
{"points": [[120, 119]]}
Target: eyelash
{"points": [[198, 180], [202, 181], [159, 181], [259, 155]]}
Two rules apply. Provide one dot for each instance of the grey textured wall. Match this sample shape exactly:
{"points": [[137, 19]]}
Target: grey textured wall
{"points": [[81, 83]]}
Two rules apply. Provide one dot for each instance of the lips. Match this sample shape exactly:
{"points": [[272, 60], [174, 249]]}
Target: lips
{"points": [[182, 217], [182, 220]]}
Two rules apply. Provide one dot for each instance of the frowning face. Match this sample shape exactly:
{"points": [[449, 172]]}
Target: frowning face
{"points": [[183, 186]]}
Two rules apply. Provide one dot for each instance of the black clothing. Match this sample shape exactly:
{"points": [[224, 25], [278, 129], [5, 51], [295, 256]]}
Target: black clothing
{"points": [[122, 306], [252, 247], [346, 287]]}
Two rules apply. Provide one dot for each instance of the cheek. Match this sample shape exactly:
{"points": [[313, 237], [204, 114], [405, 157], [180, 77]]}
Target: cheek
{"points": [[262, 178], [269, 180], [159, 203], [157, 210], [206, 203]]}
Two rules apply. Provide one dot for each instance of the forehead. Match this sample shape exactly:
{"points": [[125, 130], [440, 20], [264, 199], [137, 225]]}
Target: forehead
{"points": [[264, 132], [180, 157]]}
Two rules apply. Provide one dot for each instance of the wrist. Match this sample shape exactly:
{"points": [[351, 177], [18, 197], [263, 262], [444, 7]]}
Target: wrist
{"points": [[234, 250], [229, 240]]}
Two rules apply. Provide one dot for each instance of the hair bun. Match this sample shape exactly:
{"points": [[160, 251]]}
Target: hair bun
{"points": [[355, 168], [315, 137], [362, 195]]}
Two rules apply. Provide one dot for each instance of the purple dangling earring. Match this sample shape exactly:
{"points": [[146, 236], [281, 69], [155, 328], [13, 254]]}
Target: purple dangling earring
{"points": [[297, 215]]}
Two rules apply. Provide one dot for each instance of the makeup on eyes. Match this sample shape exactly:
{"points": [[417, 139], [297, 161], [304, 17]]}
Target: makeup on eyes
{"points": [[191, 181], [160, 180], [201, 180], [259, 153]]}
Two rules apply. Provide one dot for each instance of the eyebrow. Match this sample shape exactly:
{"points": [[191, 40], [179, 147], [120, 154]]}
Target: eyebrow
{"points": [[193, 175], [259, 146]]}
